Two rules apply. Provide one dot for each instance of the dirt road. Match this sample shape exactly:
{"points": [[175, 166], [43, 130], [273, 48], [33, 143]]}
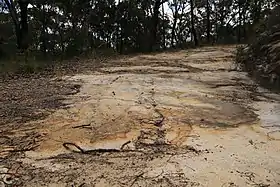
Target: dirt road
{"points": [[186, 118]]}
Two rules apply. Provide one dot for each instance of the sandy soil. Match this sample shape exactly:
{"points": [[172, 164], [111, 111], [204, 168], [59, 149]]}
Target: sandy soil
{"points": [[186, 118]]}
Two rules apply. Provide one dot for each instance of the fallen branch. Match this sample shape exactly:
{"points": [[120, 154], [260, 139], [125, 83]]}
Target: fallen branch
{"points": [[66, 145], [126, 143], [190, 167], [81, 150], [224, 85], [114, 80], [81, 126], [136, 178]]}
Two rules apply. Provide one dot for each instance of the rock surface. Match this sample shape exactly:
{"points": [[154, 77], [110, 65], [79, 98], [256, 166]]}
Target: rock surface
{"points": [[186, 118]]}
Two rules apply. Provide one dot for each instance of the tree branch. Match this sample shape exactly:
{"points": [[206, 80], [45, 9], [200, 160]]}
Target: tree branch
{"points": [[12, 10]]}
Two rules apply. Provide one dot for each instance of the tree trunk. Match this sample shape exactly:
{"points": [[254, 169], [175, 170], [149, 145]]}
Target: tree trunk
{"points": [[256, 12], [163, 27], [43, 34], [244, 27], [239, 22], [174, 24], [23, 34], [215, 40], [192, 24], [61, 43], [173, 32], [154, 24], [21, 25], [155, 21], [208, 21]]}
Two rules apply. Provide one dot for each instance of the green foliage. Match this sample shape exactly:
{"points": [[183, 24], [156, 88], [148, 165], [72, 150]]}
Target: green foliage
{"points": [[261, 57]]}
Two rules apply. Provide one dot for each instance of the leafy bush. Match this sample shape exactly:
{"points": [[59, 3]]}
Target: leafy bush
{"points": [[261, 58]]}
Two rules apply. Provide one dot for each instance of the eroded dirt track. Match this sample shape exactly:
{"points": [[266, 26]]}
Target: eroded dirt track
{"points": [[186, 118]]}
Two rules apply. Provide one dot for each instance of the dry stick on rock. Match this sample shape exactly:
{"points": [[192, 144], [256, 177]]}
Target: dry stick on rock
{"points": [[114, 80], [126, 143], [67, 144], [224, 85], [81, 150], [136, 178], [81, 126]]}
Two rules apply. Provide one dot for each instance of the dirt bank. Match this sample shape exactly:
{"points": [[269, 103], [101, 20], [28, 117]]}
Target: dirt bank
{"points": [[186, 118]]}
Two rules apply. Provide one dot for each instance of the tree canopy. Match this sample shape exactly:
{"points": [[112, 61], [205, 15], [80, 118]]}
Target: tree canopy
{"points": [[58, 28]]}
